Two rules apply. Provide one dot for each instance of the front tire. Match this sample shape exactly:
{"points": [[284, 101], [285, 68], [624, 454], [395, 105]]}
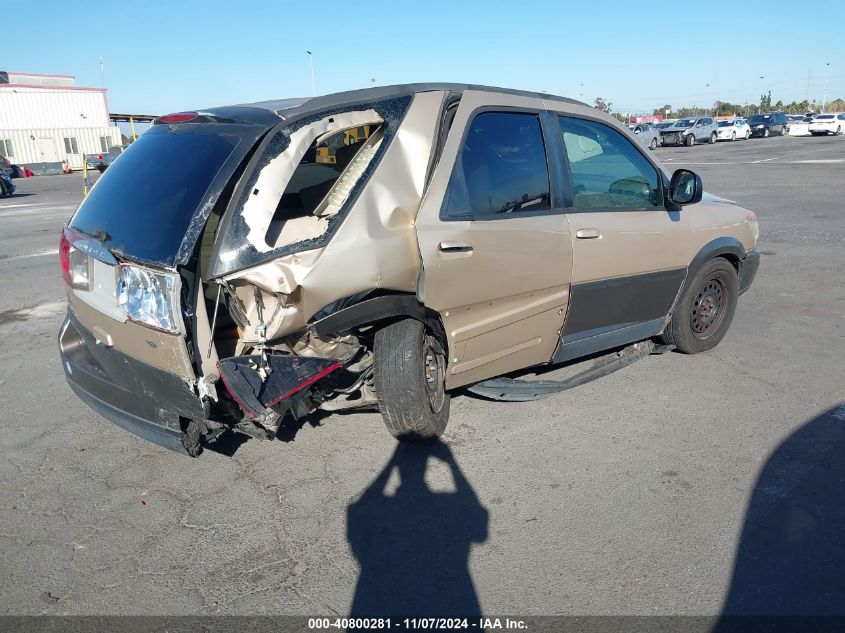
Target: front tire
{"points": [[409, 370], [839, 131], [733, 136], [766, 133], [689, 141], [705, 312], [653, 144]]}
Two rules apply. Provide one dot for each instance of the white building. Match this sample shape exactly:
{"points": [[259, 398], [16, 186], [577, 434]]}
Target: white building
{"points": [[47, 119]]}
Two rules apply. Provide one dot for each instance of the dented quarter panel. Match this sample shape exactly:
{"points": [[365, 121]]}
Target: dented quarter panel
{"points": [[375, 246]]}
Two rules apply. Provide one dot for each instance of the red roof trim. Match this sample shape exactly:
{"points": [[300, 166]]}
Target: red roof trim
{"points": [[103, 90]]}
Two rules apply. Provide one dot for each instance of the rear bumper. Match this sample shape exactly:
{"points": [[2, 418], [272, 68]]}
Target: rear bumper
{"points": [[135, 396], [750, 265]]}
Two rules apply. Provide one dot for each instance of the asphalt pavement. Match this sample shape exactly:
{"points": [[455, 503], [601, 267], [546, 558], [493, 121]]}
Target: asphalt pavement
{"points": [[679, 485]]}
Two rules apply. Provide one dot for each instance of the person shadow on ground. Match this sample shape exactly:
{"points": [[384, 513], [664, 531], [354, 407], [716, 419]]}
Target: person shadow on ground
{"points": [[413, 546], [790, 561]]}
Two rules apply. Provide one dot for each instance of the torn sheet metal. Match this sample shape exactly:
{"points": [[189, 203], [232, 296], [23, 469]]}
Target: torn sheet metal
{"points": [[375, 246], [288, 375], [273, 178]]}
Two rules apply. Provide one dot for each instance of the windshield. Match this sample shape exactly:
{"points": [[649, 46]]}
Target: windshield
{"points": [[685, 123], [142, 205]]}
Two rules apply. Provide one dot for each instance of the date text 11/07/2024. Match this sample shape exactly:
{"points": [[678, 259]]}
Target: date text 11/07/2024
{"points": [[480, 624]]}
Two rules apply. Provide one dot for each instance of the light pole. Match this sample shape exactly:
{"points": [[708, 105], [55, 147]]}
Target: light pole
{"points": [[824, 94], [762, 94], [102, 79], [313, 79], [581, 96]]}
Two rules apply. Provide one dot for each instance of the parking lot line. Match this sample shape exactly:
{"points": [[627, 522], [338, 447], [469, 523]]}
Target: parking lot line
{"points": [[55, 251]]}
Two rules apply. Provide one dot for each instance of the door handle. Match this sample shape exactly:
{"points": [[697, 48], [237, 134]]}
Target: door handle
{"points": [[454, 247], [587, 234]]}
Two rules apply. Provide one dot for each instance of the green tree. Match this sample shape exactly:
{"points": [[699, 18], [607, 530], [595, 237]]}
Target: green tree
{"points": [[601, 104]]}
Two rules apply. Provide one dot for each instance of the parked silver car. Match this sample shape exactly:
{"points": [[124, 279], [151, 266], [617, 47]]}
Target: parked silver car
{"points": [[690, 131], [646, 134]]}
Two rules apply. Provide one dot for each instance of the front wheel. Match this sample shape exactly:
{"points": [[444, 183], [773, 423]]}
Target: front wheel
{"points": [[703, 315], [733, 136], [409, 371], [689, 141], [839, 131], [653, 144], [766, 133], [748, 135]]}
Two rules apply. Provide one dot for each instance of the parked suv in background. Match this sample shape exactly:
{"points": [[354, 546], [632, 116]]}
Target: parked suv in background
{"points": [[690, 131], [768, 124], [378, 249]]}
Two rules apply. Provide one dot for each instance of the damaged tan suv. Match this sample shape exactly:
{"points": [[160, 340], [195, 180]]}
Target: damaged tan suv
{"points": [[377, 249]]}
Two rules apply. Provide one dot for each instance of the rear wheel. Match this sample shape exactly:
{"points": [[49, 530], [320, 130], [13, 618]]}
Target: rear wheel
{"points": [[733, 135], [702, 317], [409, 368], [2, 189], [839, 131], [712, 138], [766, 133], [689, 141], [653, 144]]}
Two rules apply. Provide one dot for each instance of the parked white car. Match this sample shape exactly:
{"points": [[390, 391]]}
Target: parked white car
{"points": [[828, 124], [732, 130]]}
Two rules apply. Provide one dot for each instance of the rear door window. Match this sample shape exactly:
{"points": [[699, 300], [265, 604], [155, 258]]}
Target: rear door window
{"points": [[607, 170], [501, 169]]}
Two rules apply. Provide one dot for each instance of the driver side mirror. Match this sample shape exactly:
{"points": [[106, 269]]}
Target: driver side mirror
{"points": [[685, 187]]}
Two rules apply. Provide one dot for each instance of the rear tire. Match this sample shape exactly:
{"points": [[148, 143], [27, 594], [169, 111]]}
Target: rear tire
{"points": [[839, 131], [653, 144], [766, 133], [689, 141], [713, 138], [733, 136], [705, 311], [409, 368]]}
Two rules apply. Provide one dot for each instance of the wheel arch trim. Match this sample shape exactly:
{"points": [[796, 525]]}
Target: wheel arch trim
{"points": [[728, 248]]}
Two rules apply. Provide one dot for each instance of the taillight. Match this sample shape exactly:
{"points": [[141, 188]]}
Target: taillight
{"points": [[178, 117], [100, 157], [76, 264]]}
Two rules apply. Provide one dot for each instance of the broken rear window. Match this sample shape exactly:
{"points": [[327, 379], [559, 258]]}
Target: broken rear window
{"points": [[302, 182], [313, 193]]}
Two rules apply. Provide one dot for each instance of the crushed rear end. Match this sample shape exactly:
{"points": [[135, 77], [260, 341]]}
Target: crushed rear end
{"points": [[229, 269]]}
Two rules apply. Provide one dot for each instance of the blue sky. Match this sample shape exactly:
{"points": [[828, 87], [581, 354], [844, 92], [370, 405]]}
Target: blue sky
{"points": [[182, 55]]}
